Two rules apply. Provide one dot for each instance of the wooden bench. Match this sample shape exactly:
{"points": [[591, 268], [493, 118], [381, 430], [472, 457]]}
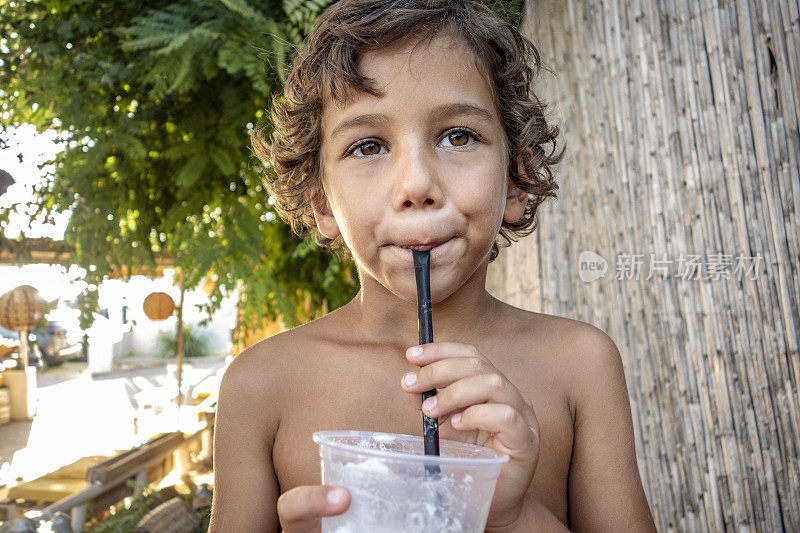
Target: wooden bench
{"points": [[99, 478]]}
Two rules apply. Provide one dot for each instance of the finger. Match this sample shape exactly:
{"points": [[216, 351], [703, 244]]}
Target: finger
{"points": [[301, 508], [512, 435], [440, 374], [436, 351], [474, 390], [416, 403]]}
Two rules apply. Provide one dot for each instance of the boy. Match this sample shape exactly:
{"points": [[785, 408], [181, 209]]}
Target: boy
{"points": [[409, 124]]}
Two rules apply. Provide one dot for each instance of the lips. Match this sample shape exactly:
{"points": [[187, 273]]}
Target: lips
{"points": [[440, 249], [421, 246]]}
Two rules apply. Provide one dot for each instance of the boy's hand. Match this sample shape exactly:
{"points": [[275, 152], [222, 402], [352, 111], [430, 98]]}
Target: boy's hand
{"points": [[300, 509], [476, 403]]}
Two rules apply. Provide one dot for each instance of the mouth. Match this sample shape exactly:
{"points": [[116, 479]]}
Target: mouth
{"points": [[421, 246]]}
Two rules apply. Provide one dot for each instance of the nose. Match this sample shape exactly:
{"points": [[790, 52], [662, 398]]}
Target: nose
{"points": [[416, 184]]}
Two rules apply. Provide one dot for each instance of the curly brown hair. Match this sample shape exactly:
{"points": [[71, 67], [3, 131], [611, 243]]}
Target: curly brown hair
{"points": [[327, 67]]}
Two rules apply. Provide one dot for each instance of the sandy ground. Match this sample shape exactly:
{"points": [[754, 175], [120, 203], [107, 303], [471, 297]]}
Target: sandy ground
{"points": [[80, 415]]}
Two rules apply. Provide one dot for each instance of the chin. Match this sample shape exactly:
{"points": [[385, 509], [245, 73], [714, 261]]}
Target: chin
{"points": [[441, 290], [452, 272]]}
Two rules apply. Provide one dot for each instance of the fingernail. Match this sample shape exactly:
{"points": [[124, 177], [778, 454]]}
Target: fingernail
{"points": [[335, 496], [429, 404], [409, 379], [455, 419], [415, 352]]}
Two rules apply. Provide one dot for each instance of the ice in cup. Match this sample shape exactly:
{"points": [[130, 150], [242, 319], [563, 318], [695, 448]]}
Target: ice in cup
{"points": [[395, 487]]}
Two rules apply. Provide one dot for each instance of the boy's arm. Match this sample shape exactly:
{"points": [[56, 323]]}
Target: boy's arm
{"points": [[245, 486], [605, 490]]}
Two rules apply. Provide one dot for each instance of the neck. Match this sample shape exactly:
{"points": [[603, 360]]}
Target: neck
{"points": [[379, 316]]}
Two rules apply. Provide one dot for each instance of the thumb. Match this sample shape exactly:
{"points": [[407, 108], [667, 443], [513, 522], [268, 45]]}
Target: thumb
{"points": [[300, 509]]}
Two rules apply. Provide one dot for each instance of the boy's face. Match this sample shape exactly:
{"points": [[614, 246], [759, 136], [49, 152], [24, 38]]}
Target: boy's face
{"points": [[423, 166]]}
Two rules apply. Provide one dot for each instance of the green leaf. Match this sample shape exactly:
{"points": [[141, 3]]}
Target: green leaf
{"points": [[132, 146], [191, 171], [242, 8], [222, 160]]}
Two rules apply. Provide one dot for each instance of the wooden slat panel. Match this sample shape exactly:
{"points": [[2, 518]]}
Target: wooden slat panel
{"points": [[681, 123]]}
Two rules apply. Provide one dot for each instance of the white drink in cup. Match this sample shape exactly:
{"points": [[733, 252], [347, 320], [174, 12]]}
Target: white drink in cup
{"points": [[395, 487]]}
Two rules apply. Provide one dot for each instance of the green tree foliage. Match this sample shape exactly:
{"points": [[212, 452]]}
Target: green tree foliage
{"points": [[154, 101]]}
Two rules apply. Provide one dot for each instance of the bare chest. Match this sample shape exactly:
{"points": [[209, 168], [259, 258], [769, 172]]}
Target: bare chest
{"points": [[379, 404]]}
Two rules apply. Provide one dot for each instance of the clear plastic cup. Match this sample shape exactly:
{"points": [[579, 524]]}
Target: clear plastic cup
{"points": [[395, 487]]}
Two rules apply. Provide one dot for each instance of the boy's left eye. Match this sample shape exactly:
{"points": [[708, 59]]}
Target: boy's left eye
{"points": [[458, 138]]}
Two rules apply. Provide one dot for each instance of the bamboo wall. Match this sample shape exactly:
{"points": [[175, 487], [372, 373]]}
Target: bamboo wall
{"points": [[681, 123]]}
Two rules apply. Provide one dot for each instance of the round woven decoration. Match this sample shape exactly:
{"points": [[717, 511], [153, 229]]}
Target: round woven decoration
{"points": [[21, 308]]}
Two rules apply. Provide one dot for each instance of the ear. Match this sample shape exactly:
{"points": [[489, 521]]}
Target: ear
{"points": [[326, 223], [516, 200]]}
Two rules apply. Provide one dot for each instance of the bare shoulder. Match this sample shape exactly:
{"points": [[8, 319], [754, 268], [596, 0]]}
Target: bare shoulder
{"points": [[587, 347], [571, 342], [264, 367], [249, 409], [263, 371], [605, 489], [268, 358], [572, 351], [589, 358], [254, 376]]}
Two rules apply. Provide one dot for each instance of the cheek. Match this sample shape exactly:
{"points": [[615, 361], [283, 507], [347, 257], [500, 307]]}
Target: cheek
{"points": [[355, 214], [484, 198]]}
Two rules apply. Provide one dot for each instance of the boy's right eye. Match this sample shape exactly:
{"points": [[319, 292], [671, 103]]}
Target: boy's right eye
{"points": [[366, 148]]}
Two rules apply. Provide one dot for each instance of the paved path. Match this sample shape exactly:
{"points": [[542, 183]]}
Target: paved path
{"points": [[80, 415]]}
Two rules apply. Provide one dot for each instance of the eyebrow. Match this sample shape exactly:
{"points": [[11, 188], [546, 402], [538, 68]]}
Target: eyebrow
{"points": [[457, 109], [439, 113], [371, 119]]}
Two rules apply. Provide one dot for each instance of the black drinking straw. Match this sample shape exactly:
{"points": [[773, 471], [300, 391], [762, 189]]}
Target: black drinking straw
{"points": [[422, 264]]}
